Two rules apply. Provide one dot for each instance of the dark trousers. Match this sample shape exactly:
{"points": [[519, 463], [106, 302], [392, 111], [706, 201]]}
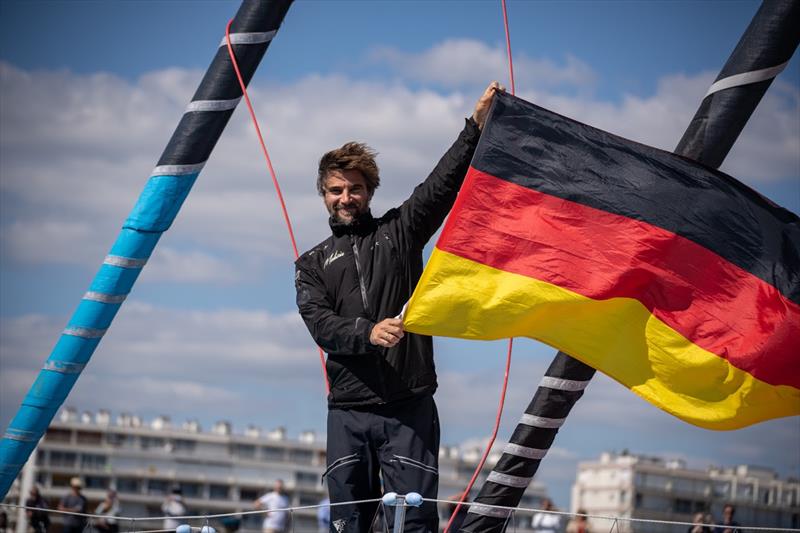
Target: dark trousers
{"points": [[398, 444]]}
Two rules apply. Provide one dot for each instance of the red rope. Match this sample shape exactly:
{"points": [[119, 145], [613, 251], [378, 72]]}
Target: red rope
{"points": [[508, 48], [510, 341], [491, 439], [271, 170]]}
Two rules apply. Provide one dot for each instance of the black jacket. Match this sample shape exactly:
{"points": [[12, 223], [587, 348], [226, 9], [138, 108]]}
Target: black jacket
{"points": [[365, 272]]}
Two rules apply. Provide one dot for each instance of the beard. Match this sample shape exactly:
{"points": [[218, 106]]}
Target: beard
{"points": [[348, 214]]}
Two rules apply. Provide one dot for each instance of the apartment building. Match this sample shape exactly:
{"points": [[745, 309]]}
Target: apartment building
{"points": [[219, 471], [637, 486]]}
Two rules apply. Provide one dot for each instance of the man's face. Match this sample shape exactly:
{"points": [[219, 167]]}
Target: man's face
{"points": [[346, 195]]}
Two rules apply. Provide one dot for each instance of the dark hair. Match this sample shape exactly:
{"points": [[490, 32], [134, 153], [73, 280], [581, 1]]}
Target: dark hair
{"points": [[351, 156]]}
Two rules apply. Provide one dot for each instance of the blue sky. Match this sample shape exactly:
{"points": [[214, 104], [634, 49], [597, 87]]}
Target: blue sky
{"points": [[91, 92]]}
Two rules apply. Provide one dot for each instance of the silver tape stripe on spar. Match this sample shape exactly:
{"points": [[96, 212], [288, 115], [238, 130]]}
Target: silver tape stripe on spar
{"points": [[105, 298], [485, 510], [249, 38], [540, 421], [563, 384], [509, 480], [746, 78], [524, 451], [124, 262], [177, 170], [64, 367], [20, 435], [86, 333], [212, 105]]}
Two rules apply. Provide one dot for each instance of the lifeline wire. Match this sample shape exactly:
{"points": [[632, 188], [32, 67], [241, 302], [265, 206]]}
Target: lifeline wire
{"points": [[465, 494], [132, 520], [271, 170]]}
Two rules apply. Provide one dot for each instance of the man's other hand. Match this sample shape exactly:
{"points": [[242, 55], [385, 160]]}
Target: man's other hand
{"points": [[387, 332], [482, 106]]}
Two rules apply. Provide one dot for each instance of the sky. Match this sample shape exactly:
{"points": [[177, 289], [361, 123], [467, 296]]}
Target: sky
{"points": [[90, 93]]}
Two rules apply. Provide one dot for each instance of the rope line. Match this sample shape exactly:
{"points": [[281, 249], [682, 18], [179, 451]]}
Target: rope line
{"points": [[508, 48], [489, 445], [475, 475], [271, 172], [512, 510]]}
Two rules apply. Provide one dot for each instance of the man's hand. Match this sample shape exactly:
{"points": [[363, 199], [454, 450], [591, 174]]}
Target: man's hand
{"points": [[387, 332], [482, 106]]}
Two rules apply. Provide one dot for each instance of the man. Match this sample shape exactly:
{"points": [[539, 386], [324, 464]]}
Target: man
{"points": [[729, 525], [382, 421], [173, 507], [74, 502], [274, 521], [109, 510], [37, 520], [546, 521]]}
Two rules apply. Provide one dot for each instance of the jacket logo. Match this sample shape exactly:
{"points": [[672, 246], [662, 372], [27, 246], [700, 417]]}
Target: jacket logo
{"points": [[331, 258]]}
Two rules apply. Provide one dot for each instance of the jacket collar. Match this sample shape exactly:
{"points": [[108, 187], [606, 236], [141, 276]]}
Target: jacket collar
{"points": [[362, 225]]}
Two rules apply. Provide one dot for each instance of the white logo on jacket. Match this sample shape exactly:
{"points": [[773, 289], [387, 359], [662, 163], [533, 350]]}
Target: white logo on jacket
{"points": [[331, 258]]}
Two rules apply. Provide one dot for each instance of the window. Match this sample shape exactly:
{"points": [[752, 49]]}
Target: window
{"points": [[654, 503], [184, 446], [60, 480], [272, 453], [153, 442], [301, 456], [307, 498], [120, 440], [90, 437], [191, 490], [306, 478], [219, 492], [91, 461], [243, 451], [744, 491], [128, 485], [682, 506], [157, 486], [248, 493], [63, 459], [656, 481], [722, 489], [96, 482], [58, 435]]}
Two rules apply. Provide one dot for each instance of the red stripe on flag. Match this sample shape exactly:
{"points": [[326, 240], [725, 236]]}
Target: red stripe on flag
{"points": [[713, 303]]}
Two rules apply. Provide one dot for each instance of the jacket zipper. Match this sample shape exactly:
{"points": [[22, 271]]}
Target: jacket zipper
{"points": [[378, 362], [360, 279]]}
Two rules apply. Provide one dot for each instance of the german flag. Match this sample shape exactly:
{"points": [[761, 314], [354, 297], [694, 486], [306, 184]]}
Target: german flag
{"points": [[675, 279]]}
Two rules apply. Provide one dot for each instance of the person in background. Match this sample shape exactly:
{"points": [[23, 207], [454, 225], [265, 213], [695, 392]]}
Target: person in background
{"points": [[579, 524], [109, 509], [39, 521], [699, 524], [324, 516], [74, 502], [173, 507], [546, 521], [276, 520], [728, 524]]}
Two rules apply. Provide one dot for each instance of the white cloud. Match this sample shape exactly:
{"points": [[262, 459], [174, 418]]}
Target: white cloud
{"points": [[459, 62], [77, 149], [168, 264], [221, 364]]}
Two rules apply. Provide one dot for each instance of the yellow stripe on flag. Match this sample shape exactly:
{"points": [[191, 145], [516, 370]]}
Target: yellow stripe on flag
{"points": [[618, 336]]}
